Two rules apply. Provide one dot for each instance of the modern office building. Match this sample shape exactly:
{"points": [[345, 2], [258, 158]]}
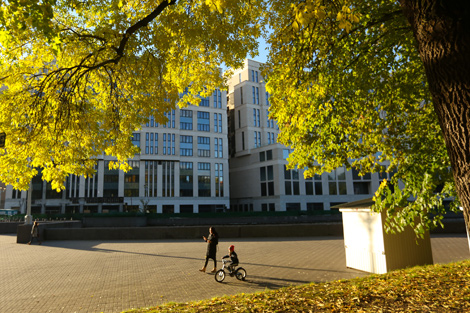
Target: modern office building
{"points": [[220, 155], [259, 180], [182, 168]]}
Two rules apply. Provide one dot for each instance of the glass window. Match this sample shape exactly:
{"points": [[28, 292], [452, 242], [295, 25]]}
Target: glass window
{"points": [[186, 120], [271, 188], [204, 102], [131, 180], [332, 188], [170, 119], [186, 145], [219, 180], [288, 187], [111, 181], [309, 188], [287, 173], [254, 117], [203, 146], [262, 173], [220, 122], [136, 139], [361, 188], [204, 186], [318, 188], [147, 143], [216, 122], [264, 191], [270, 172], [150, 185], [337, 183], [267, 175], [269, 155], [156, 143], [292, 206], [168, 179], [186, 179], [203, 121], [341, 173], [296, 187], [221, 146], [315, 206]]}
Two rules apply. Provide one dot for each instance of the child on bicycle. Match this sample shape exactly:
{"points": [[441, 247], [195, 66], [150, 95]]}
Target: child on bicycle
{"points": [[233, 258]]}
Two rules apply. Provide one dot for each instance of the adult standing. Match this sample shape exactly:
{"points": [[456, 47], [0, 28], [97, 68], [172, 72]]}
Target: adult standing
{"points": [[212, 242], [35, 233]]}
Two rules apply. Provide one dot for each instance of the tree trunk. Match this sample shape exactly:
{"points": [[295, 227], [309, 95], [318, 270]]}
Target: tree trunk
{"points": [[442, 33]]}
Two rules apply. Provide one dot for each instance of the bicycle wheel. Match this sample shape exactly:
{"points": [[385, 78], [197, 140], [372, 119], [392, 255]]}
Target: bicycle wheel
{"points": [[240, 273], [220, 276]]}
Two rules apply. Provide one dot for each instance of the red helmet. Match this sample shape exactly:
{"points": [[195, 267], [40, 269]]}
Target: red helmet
{"points": [[232, 247]]}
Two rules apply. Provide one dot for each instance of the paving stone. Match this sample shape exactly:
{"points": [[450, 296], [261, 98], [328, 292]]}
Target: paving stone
{"points": [[112, 276]]}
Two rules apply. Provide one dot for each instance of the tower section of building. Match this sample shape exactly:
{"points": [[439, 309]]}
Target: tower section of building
{"points": [[259, 179]]}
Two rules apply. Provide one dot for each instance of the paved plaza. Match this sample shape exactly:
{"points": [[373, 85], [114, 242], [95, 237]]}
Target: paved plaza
{"points": [[112, 276]]}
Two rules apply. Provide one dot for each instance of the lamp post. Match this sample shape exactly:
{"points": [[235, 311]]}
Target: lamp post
{"points": [[28, 219]]}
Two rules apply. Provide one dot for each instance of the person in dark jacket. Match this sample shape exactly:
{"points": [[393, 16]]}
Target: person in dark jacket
{"points": [[212, 242], [233, 258]]}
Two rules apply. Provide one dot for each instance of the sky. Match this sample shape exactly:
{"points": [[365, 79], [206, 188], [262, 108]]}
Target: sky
{"points": [[262, 57]]}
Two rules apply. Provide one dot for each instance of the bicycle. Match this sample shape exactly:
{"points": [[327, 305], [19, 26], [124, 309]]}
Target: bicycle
{"points": [[239, 273]]}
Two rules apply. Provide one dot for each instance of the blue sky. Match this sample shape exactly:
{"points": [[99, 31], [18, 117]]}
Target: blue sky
{"points": [[262, 57]]}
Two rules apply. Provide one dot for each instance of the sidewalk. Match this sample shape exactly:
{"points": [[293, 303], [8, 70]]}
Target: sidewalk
{"points": [[112, 276]]}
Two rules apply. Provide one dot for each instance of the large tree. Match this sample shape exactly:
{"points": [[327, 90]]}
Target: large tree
{"points": [[380, 86], [78, 77]]}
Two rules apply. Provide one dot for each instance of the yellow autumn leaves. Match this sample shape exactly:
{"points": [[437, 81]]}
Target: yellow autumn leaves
{"points": [[309, 11], [62, 109]]}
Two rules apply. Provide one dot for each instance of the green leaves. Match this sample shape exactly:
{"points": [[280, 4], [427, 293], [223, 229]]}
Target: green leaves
{"points": [[348, 88]]}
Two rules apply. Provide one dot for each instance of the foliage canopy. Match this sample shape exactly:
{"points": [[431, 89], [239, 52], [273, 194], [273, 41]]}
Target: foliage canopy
{"points": [[79, 77], [348, 88]]}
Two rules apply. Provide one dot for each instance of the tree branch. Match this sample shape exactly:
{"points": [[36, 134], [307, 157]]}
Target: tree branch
{"points": [[142, 23]]}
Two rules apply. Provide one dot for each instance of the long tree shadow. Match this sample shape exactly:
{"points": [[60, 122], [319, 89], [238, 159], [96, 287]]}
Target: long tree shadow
{"points": [[91, 247], [265, 265]]}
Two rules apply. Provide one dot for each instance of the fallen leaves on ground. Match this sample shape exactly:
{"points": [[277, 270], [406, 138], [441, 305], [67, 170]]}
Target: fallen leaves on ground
{"points": [[433, 288]]}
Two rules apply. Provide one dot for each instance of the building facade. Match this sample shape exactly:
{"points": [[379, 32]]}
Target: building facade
{"points": [[220, 155], [259, 180], [182, 168]]}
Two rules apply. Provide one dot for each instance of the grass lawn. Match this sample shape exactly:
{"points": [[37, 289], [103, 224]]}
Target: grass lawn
{"points": [[434, 288]]}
